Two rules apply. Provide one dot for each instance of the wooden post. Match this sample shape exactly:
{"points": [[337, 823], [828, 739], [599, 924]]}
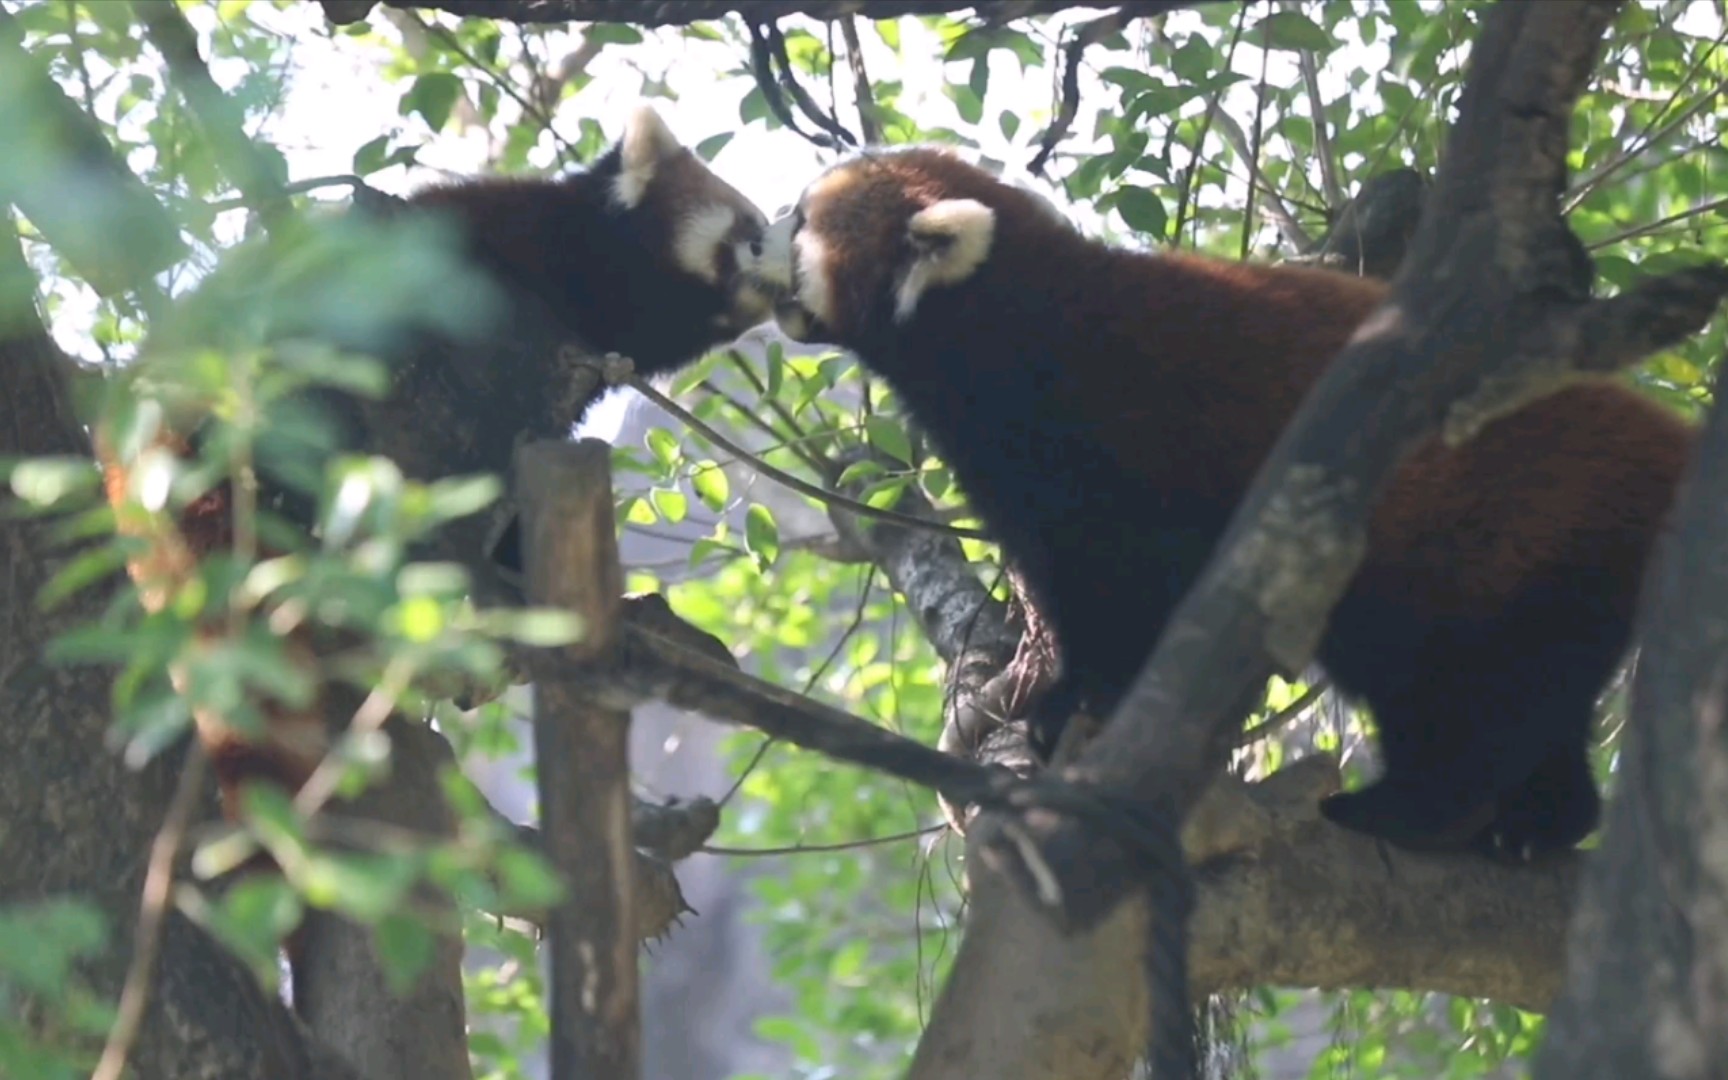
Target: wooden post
{"points": [[582, 760]]}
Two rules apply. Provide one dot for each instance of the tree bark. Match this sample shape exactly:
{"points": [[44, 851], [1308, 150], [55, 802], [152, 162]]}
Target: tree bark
{"points": [[80, 823], [1648, 979]]}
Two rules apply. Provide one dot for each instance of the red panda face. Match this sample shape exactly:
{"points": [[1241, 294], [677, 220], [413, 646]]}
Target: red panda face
{"points": [[875, 239], [707, 229]]}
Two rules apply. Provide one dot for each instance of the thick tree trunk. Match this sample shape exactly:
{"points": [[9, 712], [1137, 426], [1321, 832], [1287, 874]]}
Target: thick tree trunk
{"points": [[1648, 978]]}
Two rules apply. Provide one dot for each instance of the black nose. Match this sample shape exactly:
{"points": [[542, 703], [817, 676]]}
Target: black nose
{"points": [[756, 248]]}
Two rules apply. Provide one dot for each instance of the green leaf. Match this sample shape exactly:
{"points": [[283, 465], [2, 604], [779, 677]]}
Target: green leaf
{"points": [[1142, 210], [889, 31], [858, 470], [370, 157], [671, 505], [887, 435], [46, 481], [432, 96], [366, 887], [41, 940], [754, 107], [613, 34], [886, 494], [713, 144], [1292, 30], [761, 535], [527, 879], [664, 446], [406, 947], [709, 482], [90, 567]]}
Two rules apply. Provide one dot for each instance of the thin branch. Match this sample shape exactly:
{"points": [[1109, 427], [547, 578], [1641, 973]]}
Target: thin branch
{"points": [[152, 912], [652, 13], [869, 124], [566, 150], [842, 845], [1602, 175], [1317, 110], [1069, 105], [796, 483], [1654, 226], [1254, 148], [84, 200], [1275, 205], [772, 68], [1192, 172], [1285, 715]]}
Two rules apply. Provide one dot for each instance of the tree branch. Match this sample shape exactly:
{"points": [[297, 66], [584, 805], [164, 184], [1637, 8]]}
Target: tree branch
{"points": [[62, 173], [1487, 311], [1283, 897], [1647, 968], [256, 168], [684, 12]]}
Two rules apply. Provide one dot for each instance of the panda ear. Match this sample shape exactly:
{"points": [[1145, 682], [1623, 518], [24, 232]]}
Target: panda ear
{"points": [[949, 241], [647, 144]]}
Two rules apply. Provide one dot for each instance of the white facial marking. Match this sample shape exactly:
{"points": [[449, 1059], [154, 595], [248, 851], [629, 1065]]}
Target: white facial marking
{"points": [[951, 239], [815, 291], [647, 143], [773, 268], [698, 240]]}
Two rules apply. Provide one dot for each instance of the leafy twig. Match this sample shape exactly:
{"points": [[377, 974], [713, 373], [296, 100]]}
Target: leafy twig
{"points": [[796, 483], [255, 167]]}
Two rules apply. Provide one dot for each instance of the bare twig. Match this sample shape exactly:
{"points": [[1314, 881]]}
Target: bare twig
{"points": [[1329, 182], [869, 125], [1285, 715], [1648, 138], [776, 79], [1654, 226], [152, 912], [1275, 204], [1254, 147], [1069, 105], [843, 845], [1192, 172]]}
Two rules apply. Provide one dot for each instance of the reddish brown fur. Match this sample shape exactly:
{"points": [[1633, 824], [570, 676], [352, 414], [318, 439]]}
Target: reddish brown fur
{"points": [[1106, 409]]}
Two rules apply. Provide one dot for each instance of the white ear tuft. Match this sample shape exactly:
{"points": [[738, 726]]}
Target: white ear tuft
{"points": [[950, 239], [647, 143]]}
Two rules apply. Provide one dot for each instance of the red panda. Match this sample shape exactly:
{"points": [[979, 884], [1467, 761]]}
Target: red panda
{"points": [[1105, 410], [647, 253]]}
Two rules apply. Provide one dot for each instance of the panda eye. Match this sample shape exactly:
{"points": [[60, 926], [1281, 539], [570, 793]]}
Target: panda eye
{"points": [[756, 249]]}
